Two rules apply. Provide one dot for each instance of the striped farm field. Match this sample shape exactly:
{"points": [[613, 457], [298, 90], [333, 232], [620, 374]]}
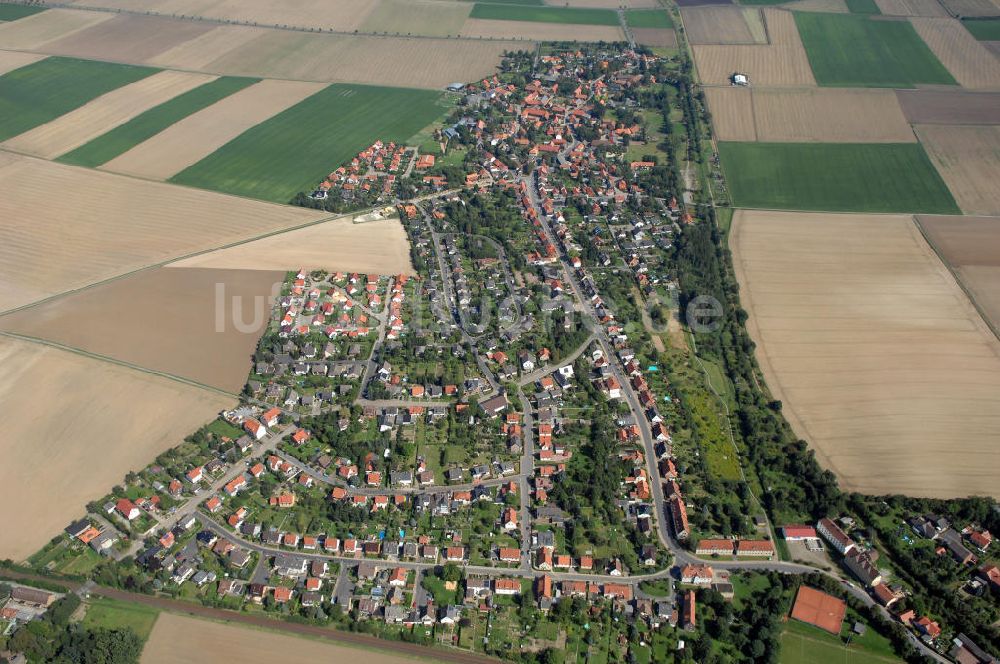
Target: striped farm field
{"points": [[987, 29], [126, 136], [648, 18], [836, 177], [849, 50], [41, 92], [510, 12], [12, 12], [287, 154]]}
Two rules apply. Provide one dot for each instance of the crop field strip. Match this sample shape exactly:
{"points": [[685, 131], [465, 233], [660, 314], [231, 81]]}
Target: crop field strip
{"points": [[841, 177], [127, 38], [950, 107], [977, 8], [856, 51], [930, 8], [432, 18], [968, 159], [574, 15], [526, 30], [13, 12], [110, 110], [984, 29], [40, 92], [143, 127], [11, 60], [33, 31], [725, 24], [972, 65], [648, 18], [834, 6], [291, 151]]}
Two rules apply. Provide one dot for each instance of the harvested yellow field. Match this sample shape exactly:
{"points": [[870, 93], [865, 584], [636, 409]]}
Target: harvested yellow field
{"points": [[202, 133], [74, 427], [732, 113], [128, 38], [655, 37], [830, 115], [379, 247], [783, 62], [930, 8], [479, 27], [398, 61], [37, 29], [829, 6], [968, 159], [972, 65], [93, 119], [197, 53], [117, 225], [182, 639], [341, 15], [723, 24], [418, 17], [881, 362], [11, 60]]}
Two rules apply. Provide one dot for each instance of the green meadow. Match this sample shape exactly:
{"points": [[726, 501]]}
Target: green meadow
{"points": [[12, 12], [987, 29], [648, 18], [537, 14]]}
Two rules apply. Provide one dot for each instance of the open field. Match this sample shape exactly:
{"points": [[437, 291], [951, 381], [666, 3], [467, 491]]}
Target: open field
{"points": [[413, 62], [782, 62], [606, 4], [648, 18], [984, 29], [119, 224], [971, 247], [576, 15], [40, 92], [835, 6], [165, 320], [808, 114], [178, 638], [946, 107], [972, 7], [993, 47], [725, 24], [911, 8], [968, 158], [199, 52], [972, 65], [13, 12], [202, 133], [70, 131], [844, 177], [341, 15], [378, 247], [418, 17], [38, 29], [11, 60], [880, 360], [475, 27], [848, 50], [146, 125], [128, 38], [655, 37], [112, 614], [802, 644], [295, 149], [96, 422]]}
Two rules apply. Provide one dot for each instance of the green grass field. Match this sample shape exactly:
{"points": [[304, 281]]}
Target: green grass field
{"points": [[44, 90], [804, 644], [294, 150], [836, 177], [863, 7], [983, 29], [849, 50], [512, 12], [648, 18], [538, 3], [146, 125], [11, 12], [112, 614]]}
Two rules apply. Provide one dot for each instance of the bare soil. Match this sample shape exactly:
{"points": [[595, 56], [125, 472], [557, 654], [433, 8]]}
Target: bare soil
{"points": [[655, 37], [968, 159], [33, 31], [972, 65], [950, 107], [725, 24]]}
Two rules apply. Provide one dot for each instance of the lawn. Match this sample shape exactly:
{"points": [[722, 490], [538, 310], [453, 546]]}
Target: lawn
{"points": [[11, 12], [512, 12], [851, 50], [803, 644], [863, 7], [40, 92], [835, 177], [221, 427], [983, 29], [124, 137], [294, 150], [648, 18], [112, 614]]}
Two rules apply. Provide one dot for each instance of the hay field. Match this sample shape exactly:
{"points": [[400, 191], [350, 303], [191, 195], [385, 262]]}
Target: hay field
{"points": [[127, 38], [80, 424], [972, 65], [539, 31], [724, 25], [418, 17], [931, 8], [197, 53], [33, 31], [161, 319], [968, 159], [655, 37], [202, 133], [955, 108], [379, 247], [401, 62], [780, 63], [178, 638], [972, 7], [971, 246], [341, 15], [89, 121], [881, 362], [118, 225], [11, 60]]}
